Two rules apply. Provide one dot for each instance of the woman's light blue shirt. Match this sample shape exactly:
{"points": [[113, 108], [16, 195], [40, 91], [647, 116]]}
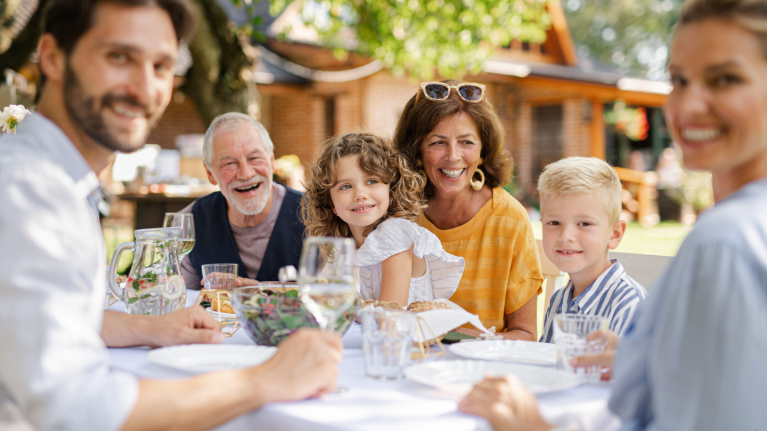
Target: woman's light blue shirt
{"points": [[695, 355]]}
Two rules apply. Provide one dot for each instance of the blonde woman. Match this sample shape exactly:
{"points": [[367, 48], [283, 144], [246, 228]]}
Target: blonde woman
{"points": [[693, 357]]}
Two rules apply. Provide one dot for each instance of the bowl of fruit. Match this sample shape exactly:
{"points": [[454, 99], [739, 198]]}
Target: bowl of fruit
{"points": [[270, 314]]}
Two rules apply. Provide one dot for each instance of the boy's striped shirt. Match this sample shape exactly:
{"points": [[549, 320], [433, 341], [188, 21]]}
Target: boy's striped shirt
{"points": [[613, 295]]}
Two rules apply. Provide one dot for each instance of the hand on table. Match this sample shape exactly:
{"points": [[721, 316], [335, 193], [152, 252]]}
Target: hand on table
{"points": [[186, 326], [239, 282], [604, 359], [305, 365], [245, 282], [506, 404]]}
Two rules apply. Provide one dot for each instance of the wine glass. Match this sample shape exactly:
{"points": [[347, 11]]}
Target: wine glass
{"points": [[328, 278], [186, 236]]}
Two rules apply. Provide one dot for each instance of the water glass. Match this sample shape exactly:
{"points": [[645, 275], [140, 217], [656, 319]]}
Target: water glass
{"points": [[213, 274], [328, 278], [386, 342], [184, 221], [570, 332], [228, 284]]}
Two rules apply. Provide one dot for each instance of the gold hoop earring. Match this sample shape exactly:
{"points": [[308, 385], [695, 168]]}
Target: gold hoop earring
{"points": [[419, 163], [477, 185]]}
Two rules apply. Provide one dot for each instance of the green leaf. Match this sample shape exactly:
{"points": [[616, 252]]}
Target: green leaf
{"points": [[132, 300], [136, 285], [144, 296], [291, 294]]}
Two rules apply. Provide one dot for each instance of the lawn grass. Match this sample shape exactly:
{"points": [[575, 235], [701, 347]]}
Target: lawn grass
{"points": [[663, 239]]}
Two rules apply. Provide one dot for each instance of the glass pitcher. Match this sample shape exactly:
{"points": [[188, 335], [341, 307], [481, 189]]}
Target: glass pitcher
{"points": [[154, 285]]}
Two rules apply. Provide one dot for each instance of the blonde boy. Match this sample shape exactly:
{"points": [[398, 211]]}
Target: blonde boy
{"points": [[580, 212]]}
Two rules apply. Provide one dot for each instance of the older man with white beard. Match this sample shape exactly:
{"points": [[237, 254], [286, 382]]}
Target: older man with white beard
{"points": [[252, 221]]}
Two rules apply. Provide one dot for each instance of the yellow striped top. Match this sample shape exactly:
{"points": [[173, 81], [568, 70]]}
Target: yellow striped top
{"points": [[502, 267]]}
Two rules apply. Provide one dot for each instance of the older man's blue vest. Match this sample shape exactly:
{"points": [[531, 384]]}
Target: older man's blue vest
{"points": [[214, 242]]}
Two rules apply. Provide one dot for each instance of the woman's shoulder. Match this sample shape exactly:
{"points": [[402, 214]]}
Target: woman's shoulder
{"points": [[505, 204], [738, 220]]}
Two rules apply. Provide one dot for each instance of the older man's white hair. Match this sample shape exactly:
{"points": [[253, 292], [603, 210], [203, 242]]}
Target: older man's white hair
{"points": [[230, 121]]}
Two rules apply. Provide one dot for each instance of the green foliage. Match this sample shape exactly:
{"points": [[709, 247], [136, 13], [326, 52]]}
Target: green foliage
{"points": [[631, 35], [419, 36]]}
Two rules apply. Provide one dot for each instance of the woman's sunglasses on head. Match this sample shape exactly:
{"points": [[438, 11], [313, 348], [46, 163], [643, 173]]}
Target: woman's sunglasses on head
{"points": [[438, 91]]}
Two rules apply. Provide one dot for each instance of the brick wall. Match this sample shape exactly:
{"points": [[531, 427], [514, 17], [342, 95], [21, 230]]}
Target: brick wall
{"points": [[296, 119], [180, 118], [296, 124]]}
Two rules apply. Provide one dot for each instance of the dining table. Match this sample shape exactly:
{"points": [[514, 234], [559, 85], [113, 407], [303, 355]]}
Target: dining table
{"points": [[369, 404]]}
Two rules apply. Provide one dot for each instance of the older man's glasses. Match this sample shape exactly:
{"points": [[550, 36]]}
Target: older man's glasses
{"points": [[439, 91]]}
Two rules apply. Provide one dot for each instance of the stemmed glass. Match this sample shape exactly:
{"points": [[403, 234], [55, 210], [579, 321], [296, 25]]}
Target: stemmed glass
{"points": [[328, 278], [185, 221]]}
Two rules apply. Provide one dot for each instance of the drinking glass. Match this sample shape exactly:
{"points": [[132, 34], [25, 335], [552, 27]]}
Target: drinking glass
{"points": [[386, 342], [214, 276], [328, 278], [570, 332], [184, 221]]}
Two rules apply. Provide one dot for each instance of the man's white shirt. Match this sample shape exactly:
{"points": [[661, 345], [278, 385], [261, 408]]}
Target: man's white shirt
{"points": [[53, 364]]}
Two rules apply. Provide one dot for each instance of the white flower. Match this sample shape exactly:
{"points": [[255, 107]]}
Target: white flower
{"points": [[12, 115]]}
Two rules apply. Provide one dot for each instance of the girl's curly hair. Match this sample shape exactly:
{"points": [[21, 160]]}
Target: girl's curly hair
{"points": [[376, 157]]}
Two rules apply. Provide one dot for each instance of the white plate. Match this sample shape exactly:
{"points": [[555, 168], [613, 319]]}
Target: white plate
{"points": [[223, 315], [527, 352], [458, 377], [203, 358]]}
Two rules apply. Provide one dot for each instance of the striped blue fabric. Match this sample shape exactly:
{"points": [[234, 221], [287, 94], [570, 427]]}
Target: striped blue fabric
{"points": [[613, 295]]}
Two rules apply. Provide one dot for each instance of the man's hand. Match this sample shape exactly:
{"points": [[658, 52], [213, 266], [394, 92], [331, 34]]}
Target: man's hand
{"points": [[186, 326], [306, 365], [506, 404], [238, 282], [245, 282], [604, 359]]}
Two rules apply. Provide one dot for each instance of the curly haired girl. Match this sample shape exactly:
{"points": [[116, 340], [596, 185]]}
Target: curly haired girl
{"points": [[359, 187]]}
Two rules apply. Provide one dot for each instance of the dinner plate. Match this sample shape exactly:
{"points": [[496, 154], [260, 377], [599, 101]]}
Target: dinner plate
{"points": [[528, 352], [458, 377], [203, 358]]}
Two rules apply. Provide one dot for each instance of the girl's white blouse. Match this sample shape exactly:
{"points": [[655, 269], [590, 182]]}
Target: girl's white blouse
{"points": [[393, 236]]}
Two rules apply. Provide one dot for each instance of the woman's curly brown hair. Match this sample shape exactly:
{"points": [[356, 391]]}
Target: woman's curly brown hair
{"points": [[421, 118], [376, 157]]}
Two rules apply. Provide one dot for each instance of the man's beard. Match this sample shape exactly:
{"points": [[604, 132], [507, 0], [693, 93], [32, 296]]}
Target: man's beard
{"points": [[88, 115], [255, 204]]}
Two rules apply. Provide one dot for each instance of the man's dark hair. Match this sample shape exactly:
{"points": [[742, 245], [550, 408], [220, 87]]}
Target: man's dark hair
{"points": [[68, 20]]}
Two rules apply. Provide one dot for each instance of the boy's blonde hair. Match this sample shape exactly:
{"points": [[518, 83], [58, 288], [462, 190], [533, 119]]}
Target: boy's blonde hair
{"points": [[583, 174], [376, 157]]}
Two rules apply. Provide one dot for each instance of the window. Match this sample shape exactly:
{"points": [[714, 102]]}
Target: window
{"points": [[330, 116], [547, 137]]}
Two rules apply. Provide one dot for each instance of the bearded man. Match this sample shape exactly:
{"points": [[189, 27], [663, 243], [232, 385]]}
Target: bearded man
{"points": [[253, 221], [108, 67]]}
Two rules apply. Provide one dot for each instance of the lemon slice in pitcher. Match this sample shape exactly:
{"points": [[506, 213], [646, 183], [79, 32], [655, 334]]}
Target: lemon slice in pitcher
{"points": [[174, 287]]}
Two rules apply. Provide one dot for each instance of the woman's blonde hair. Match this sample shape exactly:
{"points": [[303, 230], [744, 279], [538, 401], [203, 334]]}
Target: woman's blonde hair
{"points": [[583, 175], [375, 157], [749, 14]]}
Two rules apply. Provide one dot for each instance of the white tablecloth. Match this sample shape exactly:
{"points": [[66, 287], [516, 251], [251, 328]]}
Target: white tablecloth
{"points": [[373, 405]]}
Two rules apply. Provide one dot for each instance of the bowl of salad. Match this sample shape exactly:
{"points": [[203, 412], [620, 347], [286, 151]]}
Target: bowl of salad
{"points": [[270, 314]]}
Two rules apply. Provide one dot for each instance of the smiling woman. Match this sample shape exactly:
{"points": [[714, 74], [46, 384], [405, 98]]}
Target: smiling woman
{"points": [[693, 356], [456, 139]]}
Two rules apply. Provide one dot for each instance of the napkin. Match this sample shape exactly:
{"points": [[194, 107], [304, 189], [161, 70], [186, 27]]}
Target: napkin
{"points": [[434, 323]]}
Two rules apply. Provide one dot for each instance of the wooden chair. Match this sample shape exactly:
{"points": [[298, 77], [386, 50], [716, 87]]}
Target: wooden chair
{"points": [[644, 268]]}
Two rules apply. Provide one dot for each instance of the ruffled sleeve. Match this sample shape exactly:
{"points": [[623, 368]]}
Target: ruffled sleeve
{"points": [[395, 235]]}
